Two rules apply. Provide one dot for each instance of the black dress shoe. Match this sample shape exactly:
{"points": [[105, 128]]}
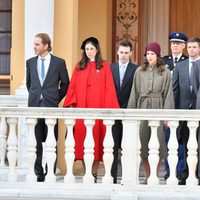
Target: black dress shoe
{"points": [[40, 178], [182, 182], [115, 180]]}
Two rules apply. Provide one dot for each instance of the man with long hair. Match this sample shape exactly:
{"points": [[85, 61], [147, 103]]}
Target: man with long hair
{"points": [[47, 82]]}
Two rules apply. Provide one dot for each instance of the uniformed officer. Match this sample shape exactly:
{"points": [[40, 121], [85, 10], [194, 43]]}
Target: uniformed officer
{"points": [[177, 45]]}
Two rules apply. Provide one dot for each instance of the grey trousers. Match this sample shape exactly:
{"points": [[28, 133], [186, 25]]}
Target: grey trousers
{"points": [[145, 134]]}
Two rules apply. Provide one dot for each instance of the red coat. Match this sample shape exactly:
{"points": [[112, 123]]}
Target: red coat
{"points": [[91, 88]]}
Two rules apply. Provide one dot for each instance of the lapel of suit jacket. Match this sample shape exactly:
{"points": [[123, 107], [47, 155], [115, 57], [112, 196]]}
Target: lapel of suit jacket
{"points": [[35, 70], [116, 76], [52, 66], [127, 75]]}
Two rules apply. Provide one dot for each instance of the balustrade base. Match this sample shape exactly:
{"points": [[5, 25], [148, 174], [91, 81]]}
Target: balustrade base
{"points": [[80, 191]]}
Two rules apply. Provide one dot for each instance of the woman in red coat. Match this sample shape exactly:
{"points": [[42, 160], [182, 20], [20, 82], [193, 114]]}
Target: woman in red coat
{"points": [[91, 86]]}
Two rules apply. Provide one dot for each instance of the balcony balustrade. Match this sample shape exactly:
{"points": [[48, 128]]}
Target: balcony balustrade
{"points": [[20, 169]]}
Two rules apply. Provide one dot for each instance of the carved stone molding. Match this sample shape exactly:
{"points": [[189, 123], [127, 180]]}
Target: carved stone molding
{"points": [[127, 23]]}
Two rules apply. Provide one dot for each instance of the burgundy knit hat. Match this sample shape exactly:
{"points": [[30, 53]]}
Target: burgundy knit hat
{"points": [[153, 46]]}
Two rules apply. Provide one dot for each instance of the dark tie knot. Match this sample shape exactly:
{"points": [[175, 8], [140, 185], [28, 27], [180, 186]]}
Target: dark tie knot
{"points": [[175, 60]]}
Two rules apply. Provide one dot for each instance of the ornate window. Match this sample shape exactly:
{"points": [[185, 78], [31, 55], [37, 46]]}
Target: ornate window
{"points": [[5, 42]]}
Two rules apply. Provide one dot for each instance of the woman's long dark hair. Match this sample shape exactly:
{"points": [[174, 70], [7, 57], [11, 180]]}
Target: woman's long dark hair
{"points": [[159, 65], [98, 58]]}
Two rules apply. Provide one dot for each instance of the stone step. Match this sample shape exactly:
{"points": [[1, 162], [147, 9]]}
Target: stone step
{"points": [[32, 191]]}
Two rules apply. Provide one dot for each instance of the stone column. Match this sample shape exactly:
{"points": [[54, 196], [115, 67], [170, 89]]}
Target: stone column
{"points": [[155, 24], [89, 151], [153, 153], [108, 151], [39, 17], [12, 149], [158, 25]]}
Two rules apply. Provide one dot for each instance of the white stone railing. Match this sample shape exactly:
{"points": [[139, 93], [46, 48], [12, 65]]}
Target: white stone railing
{"points": [[130, 144]]}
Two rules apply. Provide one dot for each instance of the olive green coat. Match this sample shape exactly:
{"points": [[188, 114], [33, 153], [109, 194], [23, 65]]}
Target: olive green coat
{"points": [[151, 90]]}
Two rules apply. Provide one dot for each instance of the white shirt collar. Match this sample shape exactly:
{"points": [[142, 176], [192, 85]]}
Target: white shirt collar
{"points": [[125, 64], [47, 57], [178, 57], [194, 60]]}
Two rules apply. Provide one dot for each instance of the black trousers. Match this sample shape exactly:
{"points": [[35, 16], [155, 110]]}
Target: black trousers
{"points": [[182, 137], [198, 153], [117, 132], [41, 131]]}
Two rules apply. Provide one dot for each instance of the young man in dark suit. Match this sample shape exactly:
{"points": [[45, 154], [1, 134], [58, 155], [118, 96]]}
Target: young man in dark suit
{"points": [[47, 82], [123, 72], [185, 98], [195, 84]]}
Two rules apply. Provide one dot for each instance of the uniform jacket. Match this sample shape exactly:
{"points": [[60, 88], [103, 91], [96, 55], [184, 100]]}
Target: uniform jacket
{"points": [[168, 60]]}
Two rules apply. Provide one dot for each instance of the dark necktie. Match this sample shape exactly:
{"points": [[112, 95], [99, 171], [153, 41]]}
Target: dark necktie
{"points": [[42, 69], [191, 74], [175, 61]]}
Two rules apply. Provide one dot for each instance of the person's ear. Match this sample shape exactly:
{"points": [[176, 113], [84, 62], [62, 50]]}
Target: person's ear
{"points": [[46, 46]]}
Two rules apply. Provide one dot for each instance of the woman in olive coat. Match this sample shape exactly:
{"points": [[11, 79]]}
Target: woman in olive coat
{"points": [[152, 89]]}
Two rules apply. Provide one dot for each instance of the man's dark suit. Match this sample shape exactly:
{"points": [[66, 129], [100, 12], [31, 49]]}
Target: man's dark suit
{"points": [[123, 94], [169, 61], [196, 83], [55, 84], [183, 99], [52, 91]]}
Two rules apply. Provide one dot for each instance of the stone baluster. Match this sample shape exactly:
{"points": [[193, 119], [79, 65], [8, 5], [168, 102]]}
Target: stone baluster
{"points": [[172, 157], [138, 161], [22, 141], [108, 151], [12, 149], [153, 153], [31, 150], [3, 142], [69, 151], [50, 150], [192, 153], [89, 151], [129, 151]]}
